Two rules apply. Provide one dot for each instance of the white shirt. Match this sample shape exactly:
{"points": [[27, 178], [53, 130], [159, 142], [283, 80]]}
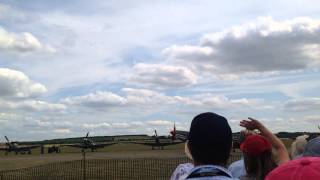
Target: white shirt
{"points": [[237, 169], [182, 171], [221, 173]]}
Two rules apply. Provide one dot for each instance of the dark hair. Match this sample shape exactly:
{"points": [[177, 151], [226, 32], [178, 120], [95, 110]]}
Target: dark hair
{"points": [[210, 139], [210, 155], [258, 167]]}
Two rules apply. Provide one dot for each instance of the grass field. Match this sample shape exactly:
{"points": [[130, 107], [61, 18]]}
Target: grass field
{"points": [[117, 151], [119, 169]]}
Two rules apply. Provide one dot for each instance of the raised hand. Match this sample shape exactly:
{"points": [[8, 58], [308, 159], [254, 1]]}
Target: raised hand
{"points": [[251, 124]]}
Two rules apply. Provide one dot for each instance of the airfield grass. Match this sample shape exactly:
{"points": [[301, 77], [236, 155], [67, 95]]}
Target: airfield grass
{"points": [[101, 169], [117, 151]]}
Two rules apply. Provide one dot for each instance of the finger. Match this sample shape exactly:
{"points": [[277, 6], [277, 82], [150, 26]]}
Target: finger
{"points": [[252, 119], [244, 121]]}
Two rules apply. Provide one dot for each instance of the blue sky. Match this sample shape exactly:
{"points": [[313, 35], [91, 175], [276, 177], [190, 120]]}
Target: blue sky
{"points": [[129, 67]]}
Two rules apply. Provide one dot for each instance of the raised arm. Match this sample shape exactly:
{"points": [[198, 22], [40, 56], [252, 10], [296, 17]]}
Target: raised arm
{"points": [[253, 124]]}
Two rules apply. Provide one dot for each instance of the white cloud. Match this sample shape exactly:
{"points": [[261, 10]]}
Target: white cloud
{"points": [[303, 104], [120, 125], [160, 123], [260, 46], [17, 84], [62, 131], [147, 97], [18, 92], [144, 100], [23, 42], [189, 52], [98, 99], [31, 105], [96, 125], [163, 75]]}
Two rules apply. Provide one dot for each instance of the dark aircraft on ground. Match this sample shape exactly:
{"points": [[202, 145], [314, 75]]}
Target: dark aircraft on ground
{"points": [[89, 144], [161, 141], [14, 147]]}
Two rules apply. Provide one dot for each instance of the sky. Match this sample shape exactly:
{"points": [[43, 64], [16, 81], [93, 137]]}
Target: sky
{"points": [[129, 67]]}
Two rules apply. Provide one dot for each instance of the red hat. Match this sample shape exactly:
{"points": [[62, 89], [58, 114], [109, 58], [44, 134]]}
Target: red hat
{"points": [[299, 169], [255, 145]]}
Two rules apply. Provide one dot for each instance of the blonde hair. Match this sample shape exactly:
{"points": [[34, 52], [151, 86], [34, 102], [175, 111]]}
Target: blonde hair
{"points": [[297, 147]]}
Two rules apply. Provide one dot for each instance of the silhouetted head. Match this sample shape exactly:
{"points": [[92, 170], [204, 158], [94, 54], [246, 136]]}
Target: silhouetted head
{"points": [[210, 139]]}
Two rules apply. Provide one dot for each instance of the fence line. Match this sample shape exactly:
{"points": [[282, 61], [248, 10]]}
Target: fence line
{"points": [[93, 169]]}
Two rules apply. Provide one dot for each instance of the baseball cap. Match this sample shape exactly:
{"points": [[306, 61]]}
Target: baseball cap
{"points": [[255, 145], [210, 138], [208, 129], [299, 169], [312, 148]]}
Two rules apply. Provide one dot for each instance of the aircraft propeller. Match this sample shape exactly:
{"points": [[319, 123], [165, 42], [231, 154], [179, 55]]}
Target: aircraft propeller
{"points": [[7, 139], [87, 135]]}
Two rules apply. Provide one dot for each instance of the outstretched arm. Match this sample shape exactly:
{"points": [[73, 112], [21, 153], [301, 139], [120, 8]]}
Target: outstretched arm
{"points": [[253, 124]]}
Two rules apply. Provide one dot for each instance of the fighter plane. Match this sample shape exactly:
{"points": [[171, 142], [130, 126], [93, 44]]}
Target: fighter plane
{"points": [[161, 144], [89, 144], [14, 147]]}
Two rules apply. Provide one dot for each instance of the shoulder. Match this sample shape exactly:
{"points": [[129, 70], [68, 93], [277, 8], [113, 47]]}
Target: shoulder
{"points": [[214, 172], [236, 164], [181, 171], [237, 169]]}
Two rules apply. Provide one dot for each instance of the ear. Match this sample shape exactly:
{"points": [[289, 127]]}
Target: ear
{"points": [[187, 150]]}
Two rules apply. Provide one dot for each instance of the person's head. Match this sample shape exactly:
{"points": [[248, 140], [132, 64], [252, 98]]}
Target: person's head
{"points": [[299, 169], [312, 148], [298, 146], [257, 153], [210, 139]]}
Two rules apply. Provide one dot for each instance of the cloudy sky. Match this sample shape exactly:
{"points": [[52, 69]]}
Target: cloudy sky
{"points": [[128, 67]]}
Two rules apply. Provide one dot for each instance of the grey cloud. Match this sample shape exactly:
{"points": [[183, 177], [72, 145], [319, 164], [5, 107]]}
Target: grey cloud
{"points": [[303, 104], [163, 75], [261, 46], [12, 16]]}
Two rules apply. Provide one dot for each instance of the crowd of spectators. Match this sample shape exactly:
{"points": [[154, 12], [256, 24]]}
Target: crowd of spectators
{"points": [[264, 156]]}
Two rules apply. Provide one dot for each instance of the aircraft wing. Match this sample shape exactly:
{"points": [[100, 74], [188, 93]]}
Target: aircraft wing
{"points": [[146, 143], [103, 145], [26, 148], [157, 144], [75, 145], [182, 135], [169, 143]]}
